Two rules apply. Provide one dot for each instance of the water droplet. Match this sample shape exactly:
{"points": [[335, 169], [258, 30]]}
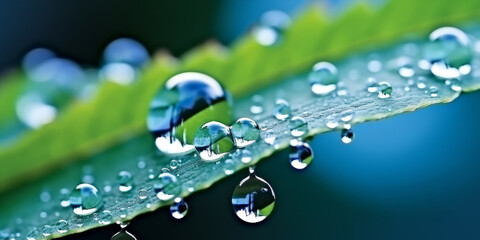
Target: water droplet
{"points": [[151, 174], [121, 73], [405, 67], [45, 197], [35, 58], [85, 199], [142, 194], [123, 235], [347, 135], [125, 181], [250, 202], [271, 27], [213, 141], [43, 214], [433, 91], [166, 186], [179, 208], [47, 230], [384, 90], [188, 100], [421, 83], [270, 137], [323, 78], [79, 222], [449, 50], [347, 116], [229, 167], [301, 154], [298, 126], [281, 111], [62, 226], [246, 156], [105, 217], [125, 50], [245, 131], [372, 85], [257, 104], [374, 66], [454, 85], [174, 164]]}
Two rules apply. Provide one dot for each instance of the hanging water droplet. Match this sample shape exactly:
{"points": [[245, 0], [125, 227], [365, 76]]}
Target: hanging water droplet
{"points": [[177, 111], [213, 141], [347, 135], [384, 90], [106, 217], [85, 199], [323, 78], [253, 199], [257, 104], [174, 164], [271, 27], [123, 235], [449, 51], [298, 126], [62, 226], [301, 154], [125, 181], [244, 131], [270, 137], [228, 167], [179, 208], [433, 91], [166, 186], [47, 230], [281, 111]]}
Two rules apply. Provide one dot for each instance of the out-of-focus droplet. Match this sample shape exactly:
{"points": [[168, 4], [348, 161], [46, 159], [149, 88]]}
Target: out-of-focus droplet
{"points": [[269, 30], [281, 110], [127, 51], [347, 135], [62, 226]]}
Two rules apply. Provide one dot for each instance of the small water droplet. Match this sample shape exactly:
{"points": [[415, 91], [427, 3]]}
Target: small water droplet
{"points": [[213, 141], [301, 154], [347, 116], [448, 51], [281, 110], [123, 235], [454, 84], [374, 66], [43, 214], [125, 181], [179, 208], [323, 78], [142, 194], [270, 137], [62, 226], [174, 164], [250, 203], [105, 217], [433, 91], [151, 174], [257, 104], [85, 199], [47, 230], [244, 131], [79, 222], [298, 126], [141, 164], [372, 85], [270, 29], [347, 135], [229, 167], [188, 100], [384, 90], [166, 186]]}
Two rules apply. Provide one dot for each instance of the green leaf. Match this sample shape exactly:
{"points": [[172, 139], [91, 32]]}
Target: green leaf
{"points": [[109, 133]]}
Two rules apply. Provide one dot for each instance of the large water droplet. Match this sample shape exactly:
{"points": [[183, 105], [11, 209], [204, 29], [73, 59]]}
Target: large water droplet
{"points": [[323, 78], [271, 27], [213, 141], [179, 208], [244, 131], [301, 154], [298, 126], [449, 53], [384, 90], [347, 135], [177, 111], [253, 199], [166, 186], [125, 181], [85, 199], [281, 111], [123, 235]]}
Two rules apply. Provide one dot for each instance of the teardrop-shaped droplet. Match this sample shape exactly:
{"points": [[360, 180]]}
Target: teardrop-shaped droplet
{"points": [[179, 208], [187, 101], [301, 154], [253, 199], [85, 199], [449, 52], [166, 186], [281, 110], [384, 90], [125, 181], [270, 29], [347, 135], [298, 126], [213, 141], [244, 131], [323, 78], [123, 235]]}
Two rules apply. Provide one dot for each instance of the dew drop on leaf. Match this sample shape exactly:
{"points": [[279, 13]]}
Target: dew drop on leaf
{"points": [[85, 199], [323, 79], [244, 131], [298, 126], [125, 181], [166, 186], [384, 90], [281, 110], [213, 141]]}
